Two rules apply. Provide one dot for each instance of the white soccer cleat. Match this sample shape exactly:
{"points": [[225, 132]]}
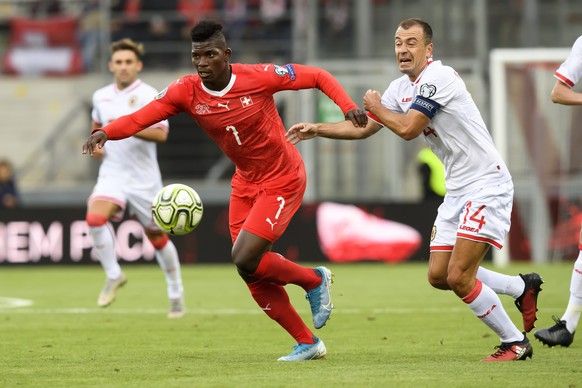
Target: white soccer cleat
{"points": [[177, 309], [305, 352], [107, 295]]}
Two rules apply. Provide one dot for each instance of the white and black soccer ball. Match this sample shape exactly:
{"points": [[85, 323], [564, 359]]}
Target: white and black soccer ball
{"points": [[177, 209]]}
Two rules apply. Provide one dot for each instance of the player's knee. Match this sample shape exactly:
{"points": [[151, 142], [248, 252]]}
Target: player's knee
{"points": [[438, 282], [158, 240], [95, 220], [244, 260]]}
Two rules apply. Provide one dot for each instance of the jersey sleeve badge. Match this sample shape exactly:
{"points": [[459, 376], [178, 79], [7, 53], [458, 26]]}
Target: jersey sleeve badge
{"points": [[427, 90], [162, 93]]}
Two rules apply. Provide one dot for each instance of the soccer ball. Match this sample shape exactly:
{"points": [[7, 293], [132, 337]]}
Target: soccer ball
{"points": [[177, 209]]}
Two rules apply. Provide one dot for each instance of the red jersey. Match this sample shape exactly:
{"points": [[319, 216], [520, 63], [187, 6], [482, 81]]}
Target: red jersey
{"points": [[242, 118]]}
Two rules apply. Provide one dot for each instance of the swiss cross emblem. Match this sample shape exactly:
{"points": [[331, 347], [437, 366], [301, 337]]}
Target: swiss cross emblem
{"points": [[246, 101]]}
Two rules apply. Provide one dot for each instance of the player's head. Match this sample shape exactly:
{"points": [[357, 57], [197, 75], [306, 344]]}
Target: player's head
{"points": [[413, 46], [125, 63], [210, 53]]}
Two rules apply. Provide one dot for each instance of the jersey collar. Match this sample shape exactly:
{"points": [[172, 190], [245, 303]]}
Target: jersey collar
{"points": [[220, 93]]}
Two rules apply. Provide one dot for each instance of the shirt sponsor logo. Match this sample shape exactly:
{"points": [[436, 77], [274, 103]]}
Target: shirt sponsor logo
{"points": [[132, 101], [406, 99], [469, 229], [246, 101]]}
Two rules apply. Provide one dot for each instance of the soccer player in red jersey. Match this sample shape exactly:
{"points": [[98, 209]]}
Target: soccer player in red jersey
{"points": [[234, 105]]}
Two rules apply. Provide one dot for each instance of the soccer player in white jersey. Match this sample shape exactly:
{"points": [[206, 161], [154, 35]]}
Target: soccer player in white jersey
{"points": [[430, 99], [129, 176], [562, 333]]}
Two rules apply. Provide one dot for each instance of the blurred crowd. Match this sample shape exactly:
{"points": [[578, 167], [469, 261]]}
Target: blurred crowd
{"points": [[162, 24]]}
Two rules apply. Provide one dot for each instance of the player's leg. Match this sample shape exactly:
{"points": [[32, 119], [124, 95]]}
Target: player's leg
{"points": [[250, 208], [167, 258], [525, 288], [483, 301], [98, 213], [562, 333], [139, 206]]}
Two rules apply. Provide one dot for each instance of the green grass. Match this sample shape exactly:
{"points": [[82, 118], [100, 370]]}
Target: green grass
{"points": [[389, 329]]}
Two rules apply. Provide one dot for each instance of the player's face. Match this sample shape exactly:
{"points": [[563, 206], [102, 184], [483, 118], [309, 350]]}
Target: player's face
{"points": [[412, 54], [125, 66], [211, 61]]}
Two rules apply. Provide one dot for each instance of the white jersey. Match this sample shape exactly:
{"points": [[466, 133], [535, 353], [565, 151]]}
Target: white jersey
{"points": [[570, 71], [129, 171], [132, 159], [456, 132]]}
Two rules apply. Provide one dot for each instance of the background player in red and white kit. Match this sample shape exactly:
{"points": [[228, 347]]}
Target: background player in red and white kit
{"points": [[562, 333], [129, 176], [431, 99], [234, 105]]}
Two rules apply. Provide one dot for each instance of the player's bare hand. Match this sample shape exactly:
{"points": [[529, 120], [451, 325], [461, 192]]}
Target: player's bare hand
{"points": [[372, 100], [98, 153], [358, 117], [301, 131], [95, 141]]}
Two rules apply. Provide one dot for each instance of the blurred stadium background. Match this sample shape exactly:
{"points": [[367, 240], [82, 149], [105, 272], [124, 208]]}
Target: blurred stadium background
{"points": [[54, 55]]}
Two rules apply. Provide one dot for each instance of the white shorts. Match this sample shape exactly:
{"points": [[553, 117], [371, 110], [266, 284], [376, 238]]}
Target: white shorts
{"points": [[483, 215], [138, 200]]}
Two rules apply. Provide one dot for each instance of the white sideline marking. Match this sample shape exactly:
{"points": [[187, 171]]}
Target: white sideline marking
{"points": [[200, 311], [7, 303]]}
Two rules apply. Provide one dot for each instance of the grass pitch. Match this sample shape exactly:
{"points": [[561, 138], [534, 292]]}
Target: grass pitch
{"points": [[389, 329]]}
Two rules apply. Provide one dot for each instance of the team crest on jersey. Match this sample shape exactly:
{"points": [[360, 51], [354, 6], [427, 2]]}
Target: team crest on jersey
{"points": [[132, 101], [161, 94], [246, 101], [202, 109], [427, 90], [433, 233]]}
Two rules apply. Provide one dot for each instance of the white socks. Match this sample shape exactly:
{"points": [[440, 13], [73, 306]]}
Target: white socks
{"points": [[167, 258], [572, 314], [487, 307], [104, 248], [500, 283]]}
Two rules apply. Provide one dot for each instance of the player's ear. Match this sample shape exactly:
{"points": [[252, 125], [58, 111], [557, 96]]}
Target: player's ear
{"points": [[227, 54], [429, 51], [139, 66]]}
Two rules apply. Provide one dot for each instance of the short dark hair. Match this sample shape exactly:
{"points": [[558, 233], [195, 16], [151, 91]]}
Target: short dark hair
{"points": [[426, 28], [128, 44], [207, 30]]}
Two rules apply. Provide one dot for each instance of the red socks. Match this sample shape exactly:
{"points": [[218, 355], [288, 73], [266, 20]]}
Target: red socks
{"points": [[277, 269], [274, 301]]}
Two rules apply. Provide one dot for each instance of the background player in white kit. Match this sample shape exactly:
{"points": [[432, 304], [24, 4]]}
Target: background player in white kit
{"points": [[431, 99], [562, 333], [129, 176]]}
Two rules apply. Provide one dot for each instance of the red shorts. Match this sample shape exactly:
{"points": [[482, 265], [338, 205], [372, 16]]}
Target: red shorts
{"points": [[265, 208]]}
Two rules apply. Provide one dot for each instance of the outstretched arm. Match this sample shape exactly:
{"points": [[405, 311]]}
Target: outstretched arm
{"points": [[342, 130]]}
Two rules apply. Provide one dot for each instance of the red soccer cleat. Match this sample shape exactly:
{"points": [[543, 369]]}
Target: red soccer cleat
{"points": [[512, 351], [527, 303]]}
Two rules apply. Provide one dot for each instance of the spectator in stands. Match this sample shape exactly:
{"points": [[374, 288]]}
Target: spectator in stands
{"points": [[234, 14], [90, 32], [46, 8], [9, 197], [276, 29]]}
